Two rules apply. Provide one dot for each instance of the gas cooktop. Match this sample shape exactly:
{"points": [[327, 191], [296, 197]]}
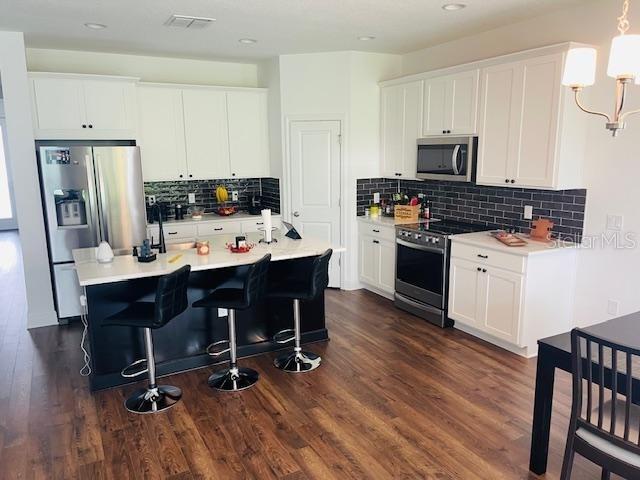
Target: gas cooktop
{"points": [[446, 227]]}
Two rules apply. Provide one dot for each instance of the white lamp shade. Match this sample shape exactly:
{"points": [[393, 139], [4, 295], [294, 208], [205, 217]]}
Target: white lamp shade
{"points": [[624, 58], [580, 67]]}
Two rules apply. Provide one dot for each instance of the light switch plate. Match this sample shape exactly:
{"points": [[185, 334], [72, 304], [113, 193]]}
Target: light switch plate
{"points": [[614, 222], [234, 196], [376, 197], [192, 198], [528, 212], [151, 200]]}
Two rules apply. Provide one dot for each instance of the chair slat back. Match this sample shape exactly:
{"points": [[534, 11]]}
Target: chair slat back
{"points": [[611, 373]]}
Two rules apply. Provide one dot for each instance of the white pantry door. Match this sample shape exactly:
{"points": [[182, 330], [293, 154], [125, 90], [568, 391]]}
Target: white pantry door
{"points": [[315, 184]]}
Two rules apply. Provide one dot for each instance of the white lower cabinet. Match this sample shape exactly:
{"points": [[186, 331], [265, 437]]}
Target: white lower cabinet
{"points": [[377, 259], [175, 232], [509, 299]]}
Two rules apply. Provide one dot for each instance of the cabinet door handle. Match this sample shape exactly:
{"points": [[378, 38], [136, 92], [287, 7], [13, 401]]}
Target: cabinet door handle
{"points": [[376, 241], [484, 270], [180, 175], [479, 269], [506, 180], [172, 233], [376, 231], [513, 181], [84, 126], [483, 256], [219, 229], [259, 223], [190, 176], [90, 126]]}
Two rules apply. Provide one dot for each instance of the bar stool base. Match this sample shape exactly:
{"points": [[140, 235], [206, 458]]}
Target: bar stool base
{"points": [[153, 400], [298, 362], [233, 379]]}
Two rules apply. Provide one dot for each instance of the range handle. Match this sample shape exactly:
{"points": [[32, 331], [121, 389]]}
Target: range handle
{"points": [[423, 248]]}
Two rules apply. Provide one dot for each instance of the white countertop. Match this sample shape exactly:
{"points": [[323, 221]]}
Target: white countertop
{"points": [[212, 217], [127, 267], [390, 221], [533, 247]]}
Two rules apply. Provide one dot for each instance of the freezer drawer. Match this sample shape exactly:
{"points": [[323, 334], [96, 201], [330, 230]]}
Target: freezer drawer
{"points": [[67, 290]]}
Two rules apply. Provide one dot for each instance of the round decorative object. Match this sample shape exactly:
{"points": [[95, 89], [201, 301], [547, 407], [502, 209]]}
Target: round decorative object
{"points": [[203, 248]]}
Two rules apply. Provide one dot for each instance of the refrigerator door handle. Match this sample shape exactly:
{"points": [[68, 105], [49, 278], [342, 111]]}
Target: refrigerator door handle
{"points": [[92, 201], [102, 201]]}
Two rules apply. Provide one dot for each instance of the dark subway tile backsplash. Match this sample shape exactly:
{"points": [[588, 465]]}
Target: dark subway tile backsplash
{"points": [[495, 206], [205, 190]]}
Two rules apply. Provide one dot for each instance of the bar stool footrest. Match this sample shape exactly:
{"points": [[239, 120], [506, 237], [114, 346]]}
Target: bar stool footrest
{"points": [[127, 373], [211, 349], [153, 400], [285, 336]]}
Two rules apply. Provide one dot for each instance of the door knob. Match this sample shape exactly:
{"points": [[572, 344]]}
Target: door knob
{"points": [[296, 214]]}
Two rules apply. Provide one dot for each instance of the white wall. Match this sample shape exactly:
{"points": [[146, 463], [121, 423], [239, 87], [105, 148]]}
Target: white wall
{"points": [[612, 166], [13, 74], [150, 69], [341, 86], [269, 77]]}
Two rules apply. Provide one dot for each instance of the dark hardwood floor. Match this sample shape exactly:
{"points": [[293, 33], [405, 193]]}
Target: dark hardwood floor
{"points": [[394, 398]]}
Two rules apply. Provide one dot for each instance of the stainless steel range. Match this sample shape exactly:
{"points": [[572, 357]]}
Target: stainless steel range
{"points": [[422, 267]]}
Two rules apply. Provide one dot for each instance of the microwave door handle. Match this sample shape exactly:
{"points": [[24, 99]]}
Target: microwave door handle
{"points": [[454, 160]]}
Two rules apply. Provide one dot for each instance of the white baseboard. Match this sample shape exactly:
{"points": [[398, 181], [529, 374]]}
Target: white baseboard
{"points": [[43, 319], [522, 351], [377, 291]]}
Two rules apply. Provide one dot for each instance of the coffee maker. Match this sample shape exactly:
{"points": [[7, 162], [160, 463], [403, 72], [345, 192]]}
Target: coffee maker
{"points": [[255, 204]]}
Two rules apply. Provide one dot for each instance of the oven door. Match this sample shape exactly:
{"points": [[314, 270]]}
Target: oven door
{"points": [[449, 158], [420, 273]]}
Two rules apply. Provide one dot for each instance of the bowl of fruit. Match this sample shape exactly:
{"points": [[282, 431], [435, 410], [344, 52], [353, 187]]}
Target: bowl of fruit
{"points": [[222, 196]]}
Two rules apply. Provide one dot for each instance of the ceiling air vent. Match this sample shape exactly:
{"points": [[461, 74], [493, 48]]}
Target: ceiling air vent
{"points": [[187, 21]]}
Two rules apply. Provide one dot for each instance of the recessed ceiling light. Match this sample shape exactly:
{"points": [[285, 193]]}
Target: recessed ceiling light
{"points": [[451, 7], [95, 26], [366, 38], [248, 41]]}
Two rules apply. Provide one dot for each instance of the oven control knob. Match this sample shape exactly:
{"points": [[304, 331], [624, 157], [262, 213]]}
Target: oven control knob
{"points": [[434, 240], [418, 236]]}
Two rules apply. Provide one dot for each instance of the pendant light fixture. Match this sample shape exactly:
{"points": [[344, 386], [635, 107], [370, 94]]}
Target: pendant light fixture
{"points": [[624, 66]]}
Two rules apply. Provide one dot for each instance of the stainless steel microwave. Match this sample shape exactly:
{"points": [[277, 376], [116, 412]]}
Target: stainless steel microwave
{"points": [[447, 158]]}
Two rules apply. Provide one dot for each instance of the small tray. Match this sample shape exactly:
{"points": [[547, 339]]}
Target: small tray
{"points": [[148, 259], [509, 239], [233, 249]]}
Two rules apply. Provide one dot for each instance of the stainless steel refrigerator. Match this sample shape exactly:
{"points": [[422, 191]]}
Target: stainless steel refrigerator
{"points": [[90, 194]]}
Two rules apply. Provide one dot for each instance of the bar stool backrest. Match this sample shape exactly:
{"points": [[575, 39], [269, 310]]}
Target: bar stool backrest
{"points": [[603, 387], [319, 275], [171, 296], [255, 284]]}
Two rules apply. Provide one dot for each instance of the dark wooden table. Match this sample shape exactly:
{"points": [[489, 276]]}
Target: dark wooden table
{"points": [[555, 352]]}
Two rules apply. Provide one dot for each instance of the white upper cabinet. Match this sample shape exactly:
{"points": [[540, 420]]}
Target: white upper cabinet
{"points": [[530, 132], [161, 139], [83, 107], [401, 125], [202, 133], [451, 104], [206, 133], [248, 133]]}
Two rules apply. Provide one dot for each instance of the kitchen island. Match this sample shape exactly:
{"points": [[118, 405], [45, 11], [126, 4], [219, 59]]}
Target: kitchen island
{"points": [[180, 345]]}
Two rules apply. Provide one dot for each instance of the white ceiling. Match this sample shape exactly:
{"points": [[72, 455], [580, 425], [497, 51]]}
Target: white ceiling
{"points": [[280, 26]]}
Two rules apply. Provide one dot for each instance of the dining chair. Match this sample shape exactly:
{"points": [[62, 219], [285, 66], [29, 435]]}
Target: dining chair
{"points": [[604, 425]]}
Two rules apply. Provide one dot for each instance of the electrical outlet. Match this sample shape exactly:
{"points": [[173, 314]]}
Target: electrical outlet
{"points": [[528, 212], [222, 312], [192, 198], [151, 200], [612, 307], [614, 222], [234, 196], [376, 197]]}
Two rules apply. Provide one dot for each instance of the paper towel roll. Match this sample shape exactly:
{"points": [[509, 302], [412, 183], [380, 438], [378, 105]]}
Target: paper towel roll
{"points": [[267, 224]]}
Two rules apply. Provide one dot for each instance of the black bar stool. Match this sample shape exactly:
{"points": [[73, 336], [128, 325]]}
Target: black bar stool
{"points": [[306, 285], [171, 301], [253, 288]]}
